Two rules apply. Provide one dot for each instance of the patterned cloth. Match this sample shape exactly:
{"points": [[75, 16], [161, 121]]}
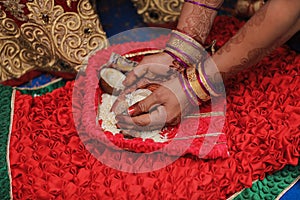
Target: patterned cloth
{"points": [[48, 159]]}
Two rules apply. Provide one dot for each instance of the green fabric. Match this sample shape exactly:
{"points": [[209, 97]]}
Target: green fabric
{"points": [[272, 185], [43, 90], [5, 113]]}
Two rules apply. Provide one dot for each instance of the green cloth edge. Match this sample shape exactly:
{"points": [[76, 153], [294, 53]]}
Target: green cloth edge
{"points": [[43, 89], [5, 112], [272, 186]]}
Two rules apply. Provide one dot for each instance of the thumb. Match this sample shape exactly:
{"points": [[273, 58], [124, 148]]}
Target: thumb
{"points": [[145, 105]]}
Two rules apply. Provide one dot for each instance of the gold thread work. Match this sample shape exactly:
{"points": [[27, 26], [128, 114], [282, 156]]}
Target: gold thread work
{"points": [[51, 40]]}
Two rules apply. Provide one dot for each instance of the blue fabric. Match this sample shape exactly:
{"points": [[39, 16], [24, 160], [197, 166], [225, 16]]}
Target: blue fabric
{"points": [[293, 193], [38, 81], [118, 16]]}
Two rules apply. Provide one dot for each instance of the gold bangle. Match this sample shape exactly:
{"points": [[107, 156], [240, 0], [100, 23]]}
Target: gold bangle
{"points": [[193, 80], [186, 88], [204, 81]]}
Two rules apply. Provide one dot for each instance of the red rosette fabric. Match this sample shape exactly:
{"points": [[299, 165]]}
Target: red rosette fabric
{"points": [[208, 146], [48, 159]]}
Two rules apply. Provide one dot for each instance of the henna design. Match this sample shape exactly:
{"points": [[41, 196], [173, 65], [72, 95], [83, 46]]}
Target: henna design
{"points": [[256, 20], [199, 21], [252, 58], [255, 56]]}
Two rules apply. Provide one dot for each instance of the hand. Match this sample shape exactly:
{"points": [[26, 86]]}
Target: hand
{"points": [[152, 69], [164, 107]]}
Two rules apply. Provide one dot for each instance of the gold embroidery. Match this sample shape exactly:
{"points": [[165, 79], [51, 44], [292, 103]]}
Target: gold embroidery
{"points": [[52, 40], [15, 9], [158, 11], [80, 34], [44, 12]]}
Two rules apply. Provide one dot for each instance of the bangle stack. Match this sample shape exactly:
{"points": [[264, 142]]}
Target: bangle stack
{"points": [[205, 80], [188, 53], [185, 48]]}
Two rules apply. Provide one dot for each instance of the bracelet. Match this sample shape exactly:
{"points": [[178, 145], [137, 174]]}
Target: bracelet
{"points": [[202, 5], [185, 48], [180, 55], [188, 34], [188, 39], [204, 79], [187, 90], [181, 62], [196, 84]]}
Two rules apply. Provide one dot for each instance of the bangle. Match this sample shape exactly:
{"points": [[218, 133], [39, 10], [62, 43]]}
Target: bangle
{"points": [[188, 34], [192, 98], [180, 55], [196, 85], [189, 39], [202, 5], [181, 62], [204, 79], [185, 48]]}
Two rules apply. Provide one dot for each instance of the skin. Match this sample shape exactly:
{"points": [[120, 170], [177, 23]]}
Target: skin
{"points": [[196, 21], [275, 22]]}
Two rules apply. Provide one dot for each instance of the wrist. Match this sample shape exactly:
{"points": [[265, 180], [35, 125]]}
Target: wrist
{"points": [[185, 48]]}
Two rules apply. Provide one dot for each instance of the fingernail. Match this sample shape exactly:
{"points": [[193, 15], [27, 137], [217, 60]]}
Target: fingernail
{"points": [[131, 110]]}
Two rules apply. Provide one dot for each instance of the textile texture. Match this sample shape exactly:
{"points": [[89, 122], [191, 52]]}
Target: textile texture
{"points": [[46, 35], [48, 159]]}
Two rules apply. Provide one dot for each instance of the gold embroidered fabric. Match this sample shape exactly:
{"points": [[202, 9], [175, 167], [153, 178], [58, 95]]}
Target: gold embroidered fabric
{"points": [[158, 11], [49, 37]]}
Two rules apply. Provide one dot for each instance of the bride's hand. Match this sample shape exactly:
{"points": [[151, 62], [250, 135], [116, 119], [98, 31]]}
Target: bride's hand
{"points": [[165, 106], [153, 69]]}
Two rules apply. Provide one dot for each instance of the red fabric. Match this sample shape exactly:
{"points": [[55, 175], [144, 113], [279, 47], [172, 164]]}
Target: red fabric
{"points": [[23, 79], [208, 147], [49, 161]]}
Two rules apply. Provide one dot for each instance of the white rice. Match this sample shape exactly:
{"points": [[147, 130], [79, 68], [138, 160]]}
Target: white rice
{"points": [[108, 118]]}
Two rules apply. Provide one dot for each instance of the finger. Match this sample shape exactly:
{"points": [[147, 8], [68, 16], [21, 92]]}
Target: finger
{"points": [[131, 78], [127, 122], [148, 121], [131, 133], [144, 105], [120, 106], [135, 74], [151, 85], [148, 68]]}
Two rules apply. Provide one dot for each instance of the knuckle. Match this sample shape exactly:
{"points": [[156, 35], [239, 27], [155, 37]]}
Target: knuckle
{"points": [[157, 95], [142, 106]]}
